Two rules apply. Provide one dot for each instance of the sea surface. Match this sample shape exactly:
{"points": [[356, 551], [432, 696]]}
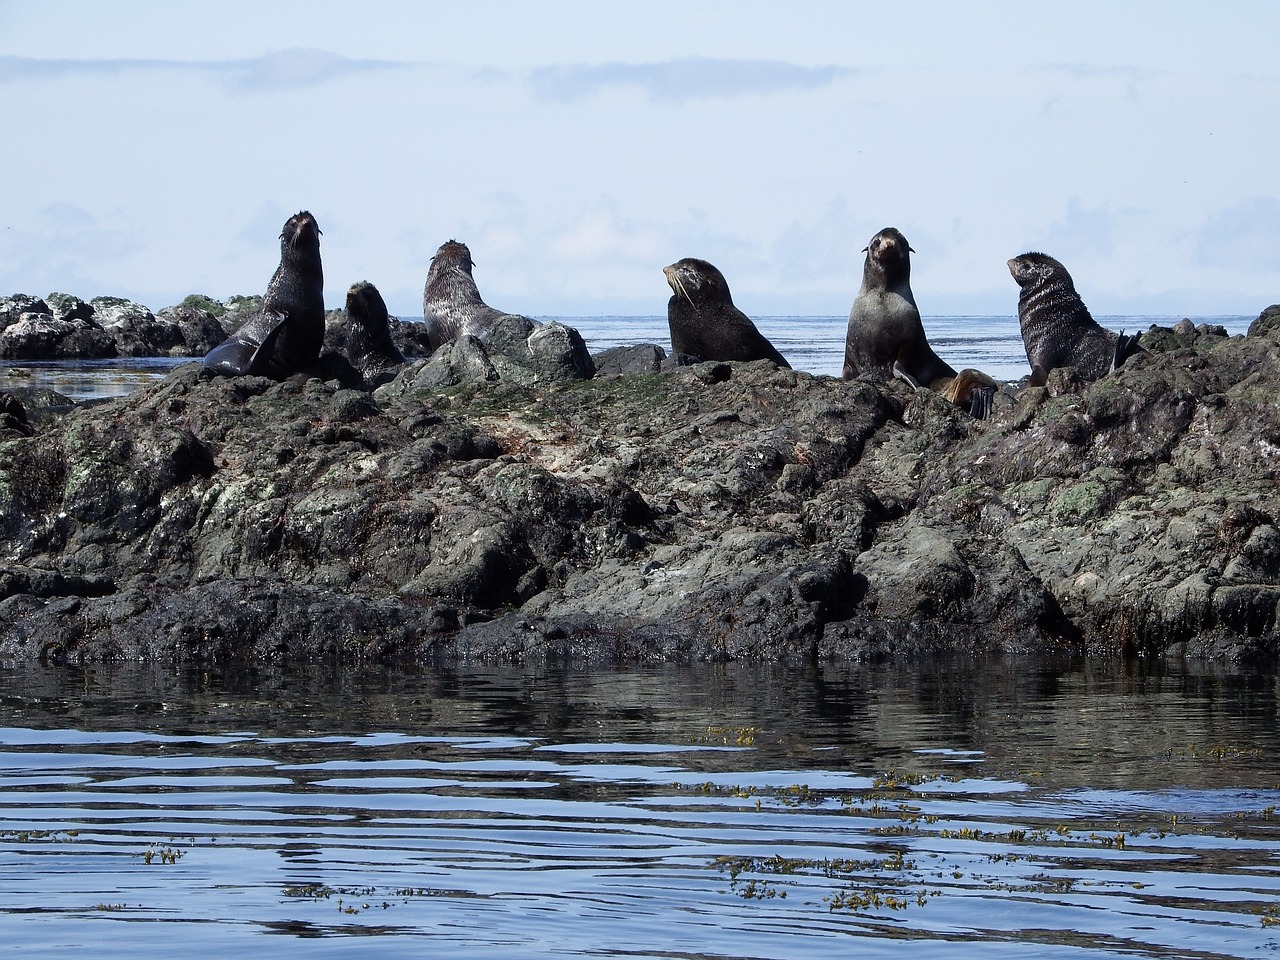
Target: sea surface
{"points": [[1008, 809], [813, 344]]}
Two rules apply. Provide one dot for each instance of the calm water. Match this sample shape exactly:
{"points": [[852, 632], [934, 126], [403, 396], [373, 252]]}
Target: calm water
{"points": [[814, 344], [1006, 809]]}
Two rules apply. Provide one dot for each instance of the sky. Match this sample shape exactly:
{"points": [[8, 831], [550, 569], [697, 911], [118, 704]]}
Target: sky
{"points": [[155, 149]]}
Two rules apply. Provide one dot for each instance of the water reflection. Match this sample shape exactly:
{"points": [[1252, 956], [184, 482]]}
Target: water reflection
{"points": [[712, 811], [89, 379]]}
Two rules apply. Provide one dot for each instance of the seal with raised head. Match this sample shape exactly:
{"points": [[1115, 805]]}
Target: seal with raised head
{"points": [[369, 345], [703, 320], [286, 335], [1057, 329], [451, 304], [886, 339]]}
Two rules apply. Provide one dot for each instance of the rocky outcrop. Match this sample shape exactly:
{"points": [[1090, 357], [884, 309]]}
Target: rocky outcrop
{"points": [[712, 511], [63, 327]]}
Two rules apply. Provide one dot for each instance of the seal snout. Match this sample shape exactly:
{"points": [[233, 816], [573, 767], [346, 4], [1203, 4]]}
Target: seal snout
{"points": [[672, 272]]}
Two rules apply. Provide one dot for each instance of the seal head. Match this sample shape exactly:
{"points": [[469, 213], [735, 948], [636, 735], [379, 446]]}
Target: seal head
{"points": [[285, 337], [1057, 328], [703, 320]]}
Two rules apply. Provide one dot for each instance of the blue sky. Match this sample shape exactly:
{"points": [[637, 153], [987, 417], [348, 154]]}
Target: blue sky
{"points": [[154, 149]]}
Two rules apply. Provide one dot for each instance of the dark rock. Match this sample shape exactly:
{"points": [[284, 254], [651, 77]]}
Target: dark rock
{"points": [[199, 328], [634, 358], [479, 506], [1268, 322], [64, 306], [12, 308], [136, 332], [410, 336], [44, 336]]}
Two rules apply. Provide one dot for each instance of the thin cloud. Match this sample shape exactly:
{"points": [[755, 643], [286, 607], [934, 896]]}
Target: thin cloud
{"points": [[693, 78], [1244, 237], [276, 70]]}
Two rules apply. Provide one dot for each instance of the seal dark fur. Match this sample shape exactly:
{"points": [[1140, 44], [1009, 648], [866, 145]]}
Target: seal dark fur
{"points": [[703, 320], [451, 304], [285, 337], [1057, 329], [369, 345], [886, 338]]}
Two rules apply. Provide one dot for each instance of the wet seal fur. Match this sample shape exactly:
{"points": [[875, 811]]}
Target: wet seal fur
{"points": [[286, 336], [703, 320], [886, 338], [451, 304], [1057, 329], [369, 345]]}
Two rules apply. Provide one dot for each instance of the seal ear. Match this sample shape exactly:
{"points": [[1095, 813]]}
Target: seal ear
{"points": [[866, 248], [910, 248]]}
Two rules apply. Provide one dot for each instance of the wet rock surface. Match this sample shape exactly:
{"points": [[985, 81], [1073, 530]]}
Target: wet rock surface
{"points": [[472, 508]]}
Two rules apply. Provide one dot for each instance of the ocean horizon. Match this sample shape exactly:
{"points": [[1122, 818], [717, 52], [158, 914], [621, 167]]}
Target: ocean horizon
{"points": [[814, 344]]}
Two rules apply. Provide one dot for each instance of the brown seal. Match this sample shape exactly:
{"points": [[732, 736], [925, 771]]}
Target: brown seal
{"points": [[886, 339], [703, 320], [369, 346], [285, 337], [1057, 328], [451, 304]]}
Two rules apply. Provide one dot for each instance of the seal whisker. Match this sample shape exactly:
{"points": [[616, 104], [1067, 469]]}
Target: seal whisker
{"points": [[680, 284]]}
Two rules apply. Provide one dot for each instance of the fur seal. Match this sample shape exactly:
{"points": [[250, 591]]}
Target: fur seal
{"points": [[369, 346], [886, 339], [287, 334], [1057, 329], [451, 304], [703, 320]]}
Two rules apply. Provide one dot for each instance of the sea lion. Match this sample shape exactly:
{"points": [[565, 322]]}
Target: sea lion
{"points": [[703, 320], [886, 339], [287, 334], [369, 345], [451, 304], [1057, 329]]}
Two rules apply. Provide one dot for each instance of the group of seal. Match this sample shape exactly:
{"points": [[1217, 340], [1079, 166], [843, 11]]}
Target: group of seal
{"points": [[885, 338], [286, 335]]}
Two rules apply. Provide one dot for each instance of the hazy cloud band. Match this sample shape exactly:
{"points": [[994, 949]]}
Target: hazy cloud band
{"points": [[277, 70], [687, 79]]}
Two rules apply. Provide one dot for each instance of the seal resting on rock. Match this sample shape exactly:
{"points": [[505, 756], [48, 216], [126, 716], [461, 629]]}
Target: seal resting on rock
{"points": [[285, 337], [886, 339], [451, 304], [703, 320], [1057, 329], [369, 345]]}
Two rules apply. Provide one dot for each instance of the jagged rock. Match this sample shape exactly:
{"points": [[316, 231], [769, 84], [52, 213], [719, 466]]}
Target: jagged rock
{"points": [[1268, 321], [199, 328], [713, 511], [636, 358], [12, 308], [64, 306], [45, 336]]}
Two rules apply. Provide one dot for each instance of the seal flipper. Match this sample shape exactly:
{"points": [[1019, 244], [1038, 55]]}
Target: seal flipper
{"points": [[900, 372], [1126, 347], [239, 354], [980, 400]]}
